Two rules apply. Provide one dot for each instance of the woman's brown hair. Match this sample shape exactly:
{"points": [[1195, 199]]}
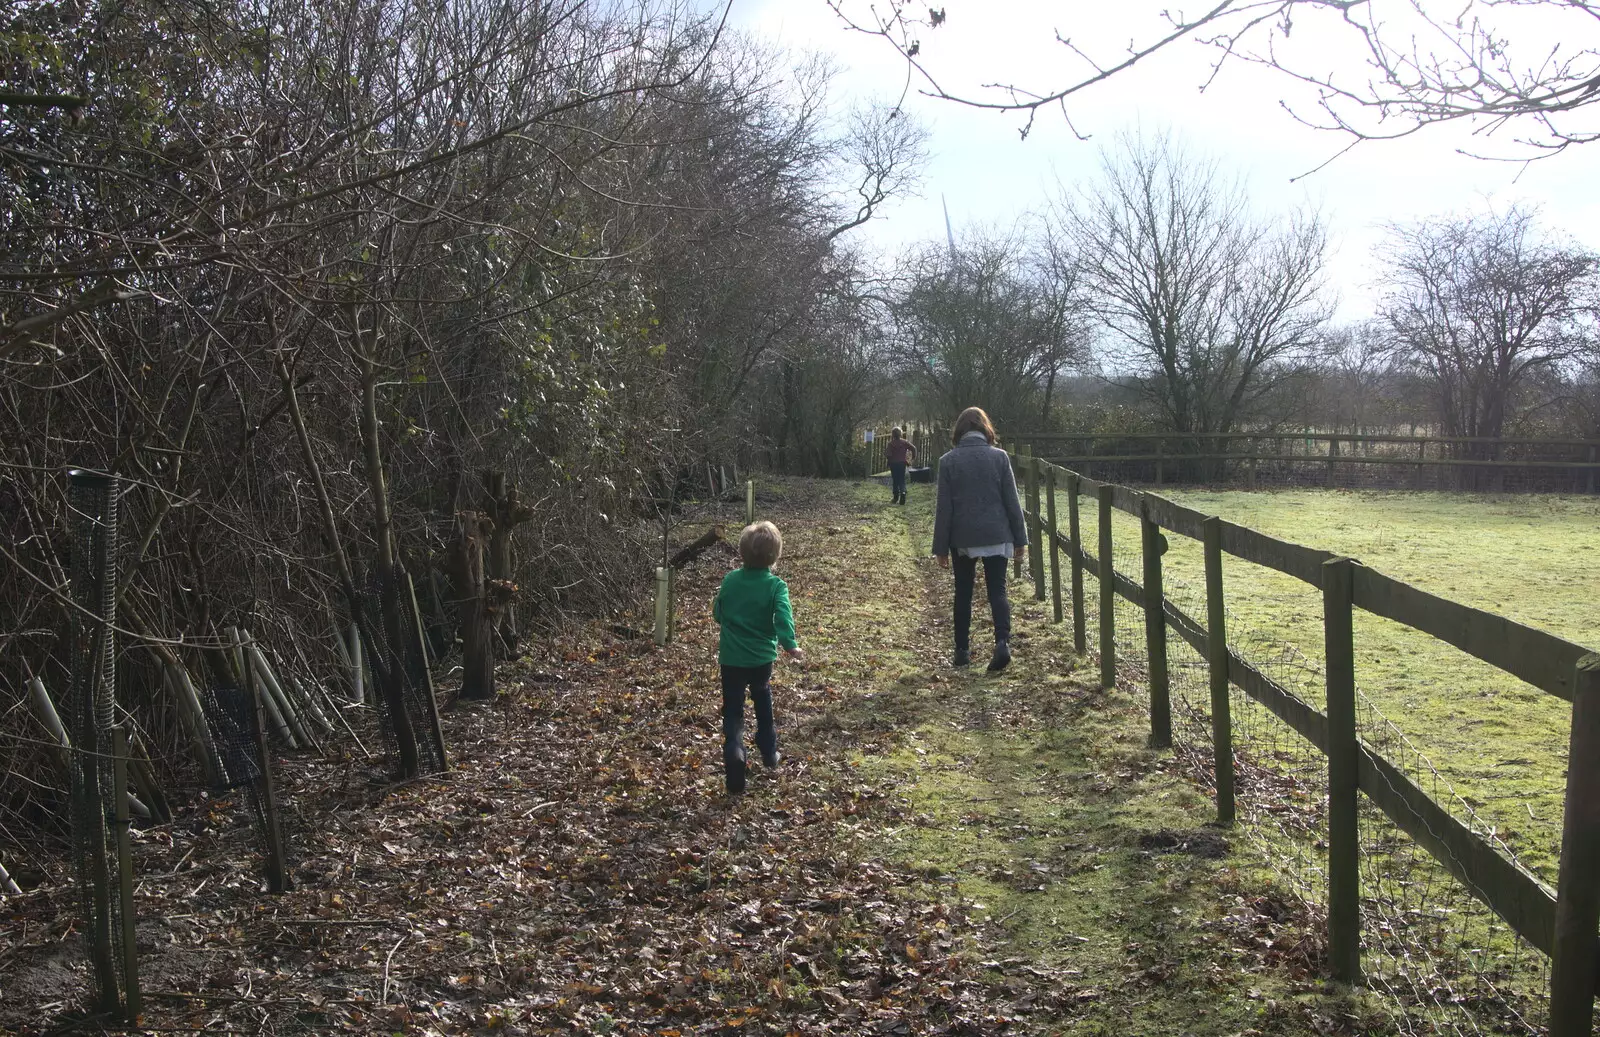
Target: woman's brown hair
{"points": [[973, 419]]}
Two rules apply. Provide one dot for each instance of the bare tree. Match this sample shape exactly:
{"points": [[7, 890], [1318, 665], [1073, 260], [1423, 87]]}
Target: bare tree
{"points": [[991, 322], [1476, 61], [1209, 310], [1484, 303]]}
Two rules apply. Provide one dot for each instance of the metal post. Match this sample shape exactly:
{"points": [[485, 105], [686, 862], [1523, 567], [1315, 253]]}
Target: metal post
{"points": [[1152, 544], [1108, 596], [1080, 639], [749, 501], [1344, 883], [1575, 963], [1217, 661], [1055, 542]]}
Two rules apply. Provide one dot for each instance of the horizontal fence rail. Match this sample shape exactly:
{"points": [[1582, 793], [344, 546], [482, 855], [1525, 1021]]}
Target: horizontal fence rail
{"points": [[1563, 923]]}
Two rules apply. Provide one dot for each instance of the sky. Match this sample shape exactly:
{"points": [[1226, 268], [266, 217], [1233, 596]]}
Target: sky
{"points": [[988, 175]]}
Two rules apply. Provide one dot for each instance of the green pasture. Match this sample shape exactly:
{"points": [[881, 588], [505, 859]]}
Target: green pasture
{"points": [[1499, 743]]}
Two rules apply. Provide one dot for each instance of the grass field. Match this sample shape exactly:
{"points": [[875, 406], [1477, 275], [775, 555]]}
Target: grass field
{"points": [[1500, 743]]}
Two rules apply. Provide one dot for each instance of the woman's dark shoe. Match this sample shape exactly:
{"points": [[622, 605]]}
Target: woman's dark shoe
{"points": [[735, 768], [771, 760], [1002, 657], [962, 659]]}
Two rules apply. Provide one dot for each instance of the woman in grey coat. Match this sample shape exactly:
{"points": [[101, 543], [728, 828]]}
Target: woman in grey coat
{"points": [[979, 518]]}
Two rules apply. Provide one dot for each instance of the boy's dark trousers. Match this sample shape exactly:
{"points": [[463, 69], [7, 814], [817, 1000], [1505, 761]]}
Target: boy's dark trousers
{"points": [[735, 681], [897, 475], [994, 579]]}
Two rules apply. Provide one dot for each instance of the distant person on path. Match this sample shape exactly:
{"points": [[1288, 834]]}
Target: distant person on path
{"points": [[979, 517], [899, 452], [752, 608]]}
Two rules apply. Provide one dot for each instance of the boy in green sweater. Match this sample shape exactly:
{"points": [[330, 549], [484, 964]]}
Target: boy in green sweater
{"points": [[752, 607]]}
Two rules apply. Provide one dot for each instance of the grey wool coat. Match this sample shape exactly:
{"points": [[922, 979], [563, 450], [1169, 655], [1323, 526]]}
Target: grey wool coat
{"points": [[978, 502]]}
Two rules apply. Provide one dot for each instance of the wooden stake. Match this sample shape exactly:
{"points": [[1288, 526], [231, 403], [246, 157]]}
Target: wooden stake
{"points": [[8, 884], [131, 1005], [277, 867]]}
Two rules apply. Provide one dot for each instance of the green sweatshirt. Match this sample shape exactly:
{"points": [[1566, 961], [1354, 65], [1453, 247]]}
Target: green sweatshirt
{"points": [[753, 608]]}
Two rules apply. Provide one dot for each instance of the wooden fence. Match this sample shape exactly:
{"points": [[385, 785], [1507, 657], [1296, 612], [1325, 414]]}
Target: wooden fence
{"points": [[1303, 457], [1563, 923]]}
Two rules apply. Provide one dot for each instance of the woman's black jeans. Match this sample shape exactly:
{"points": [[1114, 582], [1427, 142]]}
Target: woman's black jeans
{"points": [[994, 579], [897, 472], [758, 679]]}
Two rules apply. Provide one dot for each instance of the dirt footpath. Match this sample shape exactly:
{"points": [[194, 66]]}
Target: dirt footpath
{"points": [[941, 853]]}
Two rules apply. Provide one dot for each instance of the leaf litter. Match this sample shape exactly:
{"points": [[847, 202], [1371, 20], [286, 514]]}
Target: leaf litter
{"points": [[580, 869]]}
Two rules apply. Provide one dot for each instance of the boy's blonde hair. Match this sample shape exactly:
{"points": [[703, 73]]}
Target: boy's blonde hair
{"points": [[760, 545]]}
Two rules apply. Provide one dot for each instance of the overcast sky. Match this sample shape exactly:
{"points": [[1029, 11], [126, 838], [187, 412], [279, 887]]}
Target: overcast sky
{"points": [[987, 174]]}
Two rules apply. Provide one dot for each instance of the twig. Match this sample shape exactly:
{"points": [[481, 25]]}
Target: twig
{"points": [[386, 963]]}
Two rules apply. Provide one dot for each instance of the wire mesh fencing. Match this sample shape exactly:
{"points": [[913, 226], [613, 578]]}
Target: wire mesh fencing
{"points": [[1428, 940], [1367, 460]]}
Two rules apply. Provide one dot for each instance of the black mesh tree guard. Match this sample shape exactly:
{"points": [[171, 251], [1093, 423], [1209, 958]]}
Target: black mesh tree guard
{"points": [[91, 708], [407, 661]]}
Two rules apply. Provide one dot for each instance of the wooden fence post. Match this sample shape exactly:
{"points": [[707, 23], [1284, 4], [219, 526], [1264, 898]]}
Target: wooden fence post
{"points": [[1036, 537], [1575, 962], [1590, 487], [1080, 640], [1161, 445], [1152, 544], [1217, 661], [1055, 545], [1108, 596], [1344, 882], [1333, 455]]}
